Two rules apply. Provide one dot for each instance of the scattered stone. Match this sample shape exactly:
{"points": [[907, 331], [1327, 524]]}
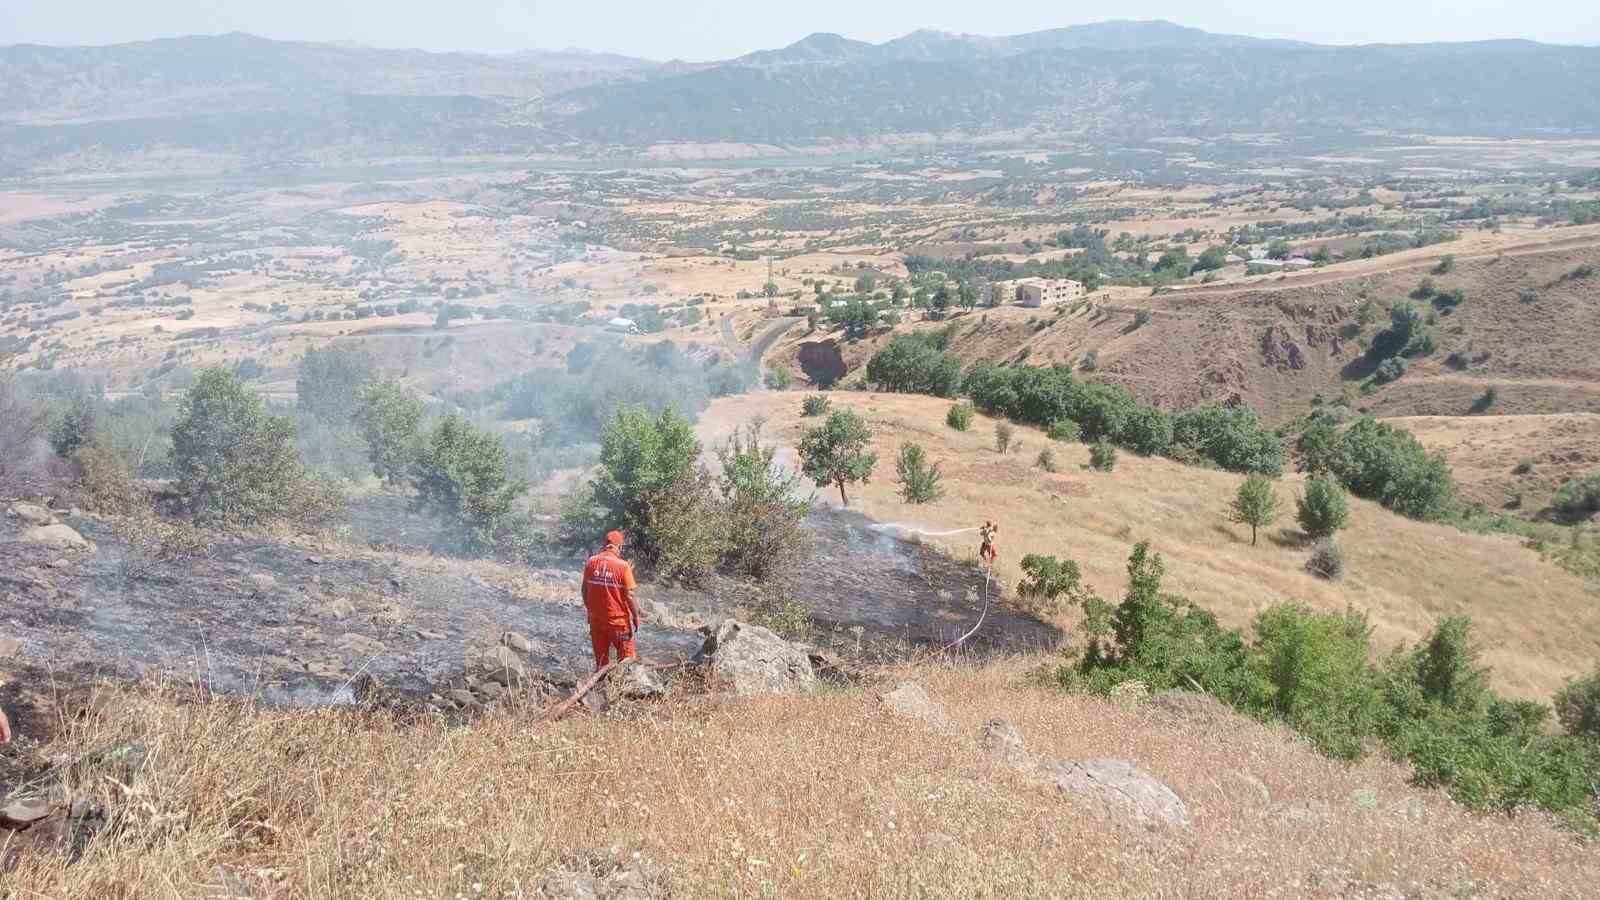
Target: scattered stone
{"points": [[1122, 788], [20, 814], [633, 680], [909, 700], [60, 563], [828, 667], [59, 537], [261, 582], [1002, 740], [517, 641], [491, 691], [31, 514], [462, 698], [341, 608], [749, 659], [501, 663], [313, 559], [605, 875], [1307, 813], [427, 635], [10, 647], [660, 614]]}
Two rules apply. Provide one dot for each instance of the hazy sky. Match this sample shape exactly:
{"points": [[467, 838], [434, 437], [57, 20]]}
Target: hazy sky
{"points": [[713, 29]]}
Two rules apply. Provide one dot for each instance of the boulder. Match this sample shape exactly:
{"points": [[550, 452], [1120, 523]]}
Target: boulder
{"points": [[749, 659], [10, 647], [31, 514], [501, 663], [427, 635], [660, 614], [462, 698], [633, 680], [1122, 788], [261, 582], [1002, 741], [491, 691], [341, 608], [23, 813], [59, 537], [910, 701], [517, 641]]}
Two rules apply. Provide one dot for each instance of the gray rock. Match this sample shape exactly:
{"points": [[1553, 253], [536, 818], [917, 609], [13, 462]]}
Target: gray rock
{"points": [[59, 537], [605, 875], [427, 635], [501, 663], [313, 559], [1122, 788], [910, 701], [749, 659], [660, 614], [1191, 706], [261, 582], [22, 813], [633, 680], [491, 691], [1303, 813], [31, 514], [461, 698], [516, 641], [1001, 740], [10, 647], [341, 608]]}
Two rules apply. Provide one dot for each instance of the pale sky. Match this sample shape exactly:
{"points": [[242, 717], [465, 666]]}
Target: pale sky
{"points": [[717, 29]]}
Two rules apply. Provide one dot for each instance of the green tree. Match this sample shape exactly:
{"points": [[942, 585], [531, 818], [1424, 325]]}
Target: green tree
{"points": [[1255, 504], [911, 364], [236, 464], [918, 478], [836, 453], [329, 382], [642, 458], [1322, 509], [960, 416], [1212, 258], [390, 419], [1103, 456], [464, 475], [75, 428], [1050, 584], [1046, 459], [865, 283], [770, 289], [1279, 249], [763, 509]]}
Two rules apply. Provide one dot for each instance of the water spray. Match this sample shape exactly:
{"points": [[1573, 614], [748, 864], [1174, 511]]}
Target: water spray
{"points": [[902, 526]]}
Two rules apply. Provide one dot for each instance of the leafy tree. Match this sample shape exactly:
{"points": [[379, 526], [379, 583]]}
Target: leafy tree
{"points": [[1255, 504], [1064, 430], [959, 417], [918, 478], [912, 365], [865, 283], [1382, 462], [1212, 258], [1389, 370], [1231, 437], [329, 382], [836, 453], [236, 463], [779, 379], [464, 475], [642, 457], [75, 428], [762, 507], [1322, 509], [1279, 249], [1146, 430], [390, 419], [770, 289]]}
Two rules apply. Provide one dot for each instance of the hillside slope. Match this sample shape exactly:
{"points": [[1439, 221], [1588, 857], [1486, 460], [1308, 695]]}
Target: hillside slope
{"points": [[1541, 623]]}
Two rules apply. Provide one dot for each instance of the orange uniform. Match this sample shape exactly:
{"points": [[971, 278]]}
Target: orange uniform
{"points": [[607, 583]]}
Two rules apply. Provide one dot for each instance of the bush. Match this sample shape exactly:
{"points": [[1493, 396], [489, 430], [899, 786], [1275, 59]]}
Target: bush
{"points": [[1049, 584], [911, 364], [23, 420], [1389, 370], [1103, 456], [329, 382], [1447, 264], [1578, 497], [464, 475], [1231, 437], [104, 483], [390, 420], [1326, 560], [1385, 463], [815, 405], [918, 478], [1322, 509], [685, 528], [959, 417], [642, 458], [1047, 459], [236, 464], [1255, 504], [1002, 436], [1578, 706], [778, 379], [74, 429], [836, 453], [1064, 430], [762, 508], [1146, 431], [1311, 671]]}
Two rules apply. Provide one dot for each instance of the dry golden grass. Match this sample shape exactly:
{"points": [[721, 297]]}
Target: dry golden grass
{"points": [[1485, 451], [824, 796], [1540, 623]]}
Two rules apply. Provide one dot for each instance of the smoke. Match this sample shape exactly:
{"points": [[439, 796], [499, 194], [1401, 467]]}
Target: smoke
{"points": [[912, 529]]}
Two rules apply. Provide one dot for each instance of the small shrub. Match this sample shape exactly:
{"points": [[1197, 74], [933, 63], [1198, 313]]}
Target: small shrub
{"points": [[919, 479], [1587, 270], [1425, 290], [1528, 295], [763, 509], [1103, 456], [1049, 584], [815, 405], [1579, 496], [1446, 265], [1578, 706], [1065, 430], [960, 416], [105, 484], [1142, 318], [778, 379], [1523, 467], [1002, 437], [1322, 509], [1046, 460], [74, 429], [1390, 370], [1326, 560], [787, 618]]}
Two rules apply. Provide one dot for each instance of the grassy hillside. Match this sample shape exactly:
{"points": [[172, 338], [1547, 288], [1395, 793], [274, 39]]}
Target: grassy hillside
{"points": [[1541, 623], [822, 796]]}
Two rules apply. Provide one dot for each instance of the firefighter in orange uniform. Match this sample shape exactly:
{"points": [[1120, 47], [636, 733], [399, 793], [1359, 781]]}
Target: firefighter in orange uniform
{"points": [[608, 586]]}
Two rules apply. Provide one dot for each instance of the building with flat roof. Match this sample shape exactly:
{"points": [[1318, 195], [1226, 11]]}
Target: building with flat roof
{"points": [[1040, 292]]}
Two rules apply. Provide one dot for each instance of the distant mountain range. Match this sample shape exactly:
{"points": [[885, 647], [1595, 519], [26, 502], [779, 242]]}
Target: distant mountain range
{"points": [[263, 100]]}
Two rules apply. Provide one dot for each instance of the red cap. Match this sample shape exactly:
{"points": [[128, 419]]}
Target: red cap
{"points": [[614, 539]]}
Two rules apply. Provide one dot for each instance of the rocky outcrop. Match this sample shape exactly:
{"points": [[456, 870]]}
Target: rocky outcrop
{"points": [[31, 514], [749, 659], [1280, 351], [1003, 742], [57, 537], [605, 875], [1123, 788]]}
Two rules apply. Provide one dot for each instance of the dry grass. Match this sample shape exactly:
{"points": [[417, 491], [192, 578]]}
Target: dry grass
{"points": [[792, 797], [1485, 452], [1541, 624]]}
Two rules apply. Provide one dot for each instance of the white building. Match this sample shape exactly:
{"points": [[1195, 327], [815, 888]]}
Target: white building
{"points": [[626, 326], [1040, 292]]}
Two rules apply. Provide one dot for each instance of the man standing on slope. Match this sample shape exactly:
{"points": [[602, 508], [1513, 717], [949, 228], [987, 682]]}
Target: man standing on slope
{"points": [[608, 585]]}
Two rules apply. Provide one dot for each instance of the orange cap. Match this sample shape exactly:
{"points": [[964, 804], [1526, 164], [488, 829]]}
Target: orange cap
{"points": [[614, 539]]}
